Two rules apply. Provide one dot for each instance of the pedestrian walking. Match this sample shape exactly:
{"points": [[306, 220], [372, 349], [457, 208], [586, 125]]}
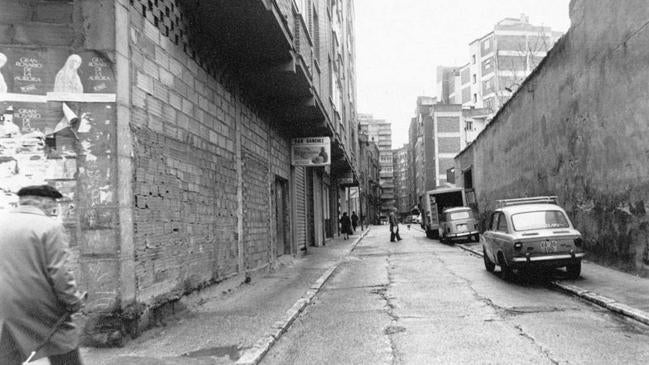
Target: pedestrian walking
{"points": [[354, 221], [394, 227], [345, 225], [38, 293]]}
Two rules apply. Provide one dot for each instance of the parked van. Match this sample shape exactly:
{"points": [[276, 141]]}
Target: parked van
{"points": [[433, 202]]}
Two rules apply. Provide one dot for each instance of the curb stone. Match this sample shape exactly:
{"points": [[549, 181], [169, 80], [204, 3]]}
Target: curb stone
{"points": [[587, 295], [254, 355]]}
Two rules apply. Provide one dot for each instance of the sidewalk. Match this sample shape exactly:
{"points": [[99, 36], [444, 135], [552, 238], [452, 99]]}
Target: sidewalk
{"points": [[233, 322], [617, 291]]}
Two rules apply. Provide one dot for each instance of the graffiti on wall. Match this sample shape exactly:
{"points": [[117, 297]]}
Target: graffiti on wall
{"points": [[51, 103]]}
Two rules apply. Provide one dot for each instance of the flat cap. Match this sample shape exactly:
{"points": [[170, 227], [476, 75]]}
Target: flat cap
{"points": [[40, 190]]}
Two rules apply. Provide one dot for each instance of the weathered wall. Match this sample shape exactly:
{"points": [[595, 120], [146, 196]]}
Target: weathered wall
{"points": [[204, 162], [57, 74], [577, 128]]}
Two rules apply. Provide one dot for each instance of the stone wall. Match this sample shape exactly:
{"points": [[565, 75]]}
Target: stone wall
{"points": [[577, 128]]}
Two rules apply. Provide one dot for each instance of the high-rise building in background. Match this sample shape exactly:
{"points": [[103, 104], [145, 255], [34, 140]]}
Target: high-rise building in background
{"points": [[498, 63], [369, 180], [400, 168], [438, 132], [380, 132]]}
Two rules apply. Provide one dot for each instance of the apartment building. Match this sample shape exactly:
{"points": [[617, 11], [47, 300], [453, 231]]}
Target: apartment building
{"points": [[438, 132], [498, 63], [380, 132], [183, 176], [401, 188]]}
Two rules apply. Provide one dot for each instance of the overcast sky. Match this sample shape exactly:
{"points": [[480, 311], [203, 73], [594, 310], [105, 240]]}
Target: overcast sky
{"points": [[399, 43]]}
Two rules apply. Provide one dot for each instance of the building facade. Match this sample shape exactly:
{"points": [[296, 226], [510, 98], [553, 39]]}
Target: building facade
{"points": [[401, 167], [438, 132], [380, 132], [167, 126], [369, 181], [499, 61]]}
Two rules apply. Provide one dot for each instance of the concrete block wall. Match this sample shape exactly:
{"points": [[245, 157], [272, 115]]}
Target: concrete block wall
{"points": [[170, 189], [577, 128], [204, 160]]}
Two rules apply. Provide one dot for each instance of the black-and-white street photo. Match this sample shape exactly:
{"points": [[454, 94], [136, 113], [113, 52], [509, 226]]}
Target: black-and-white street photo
{"points": [[302, 182]]}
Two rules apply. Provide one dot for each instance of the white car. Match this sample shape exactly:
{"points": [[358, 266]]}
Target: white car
{"points": [[531, 232]]}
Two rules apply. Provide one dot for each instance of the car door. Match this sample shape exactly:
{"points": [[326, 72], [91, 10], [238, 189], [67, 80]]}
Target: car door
{"points": [[488, 236], [501, 237]]}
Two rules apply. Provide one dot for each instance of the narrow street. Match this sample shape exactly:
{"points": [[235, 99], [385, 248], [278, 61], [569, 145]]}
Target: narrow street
{"points": [[421, 302]]}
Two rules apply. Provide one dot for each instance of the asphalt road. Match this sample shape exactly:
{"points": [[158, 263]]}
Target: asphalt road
{"points": [[422, 302]]}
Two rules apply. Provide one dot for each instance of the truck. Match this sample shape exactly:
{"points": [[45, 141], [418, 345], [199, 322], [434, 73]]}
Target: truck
{"points": [[433, 202]]}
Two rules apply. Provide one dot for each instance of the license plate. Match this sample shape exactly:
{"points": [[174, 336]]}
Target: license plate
{"points": [[461, 227], [549, 246]]}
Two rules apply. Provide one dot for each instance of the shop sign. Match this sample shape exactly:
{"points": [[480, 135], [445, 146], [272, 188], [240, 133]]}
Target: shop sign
{"points": [[311, 151], [346, 179]]}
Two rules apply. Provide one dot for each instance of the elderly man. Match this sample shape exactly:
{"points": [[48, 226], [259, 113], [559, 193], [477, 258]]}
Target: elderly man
{"points": [[36, 286]]}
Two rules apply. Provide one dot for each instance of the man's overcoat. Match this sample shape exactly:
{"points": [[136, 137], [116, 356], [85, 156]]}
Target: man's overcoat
{"points": [[36, 285]]}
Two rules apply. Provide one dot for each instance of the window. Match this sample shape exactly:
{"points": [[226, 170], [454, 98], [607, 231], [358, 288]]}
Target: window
{"points": [[487, 66], [473, 58], [475, 78], [493, 225], [468, 125], [486, 44], [475, 98], [488, 86], [547, 219], [502, 223], [332, 78], [468, 182], [460, 215], [316, 32]]}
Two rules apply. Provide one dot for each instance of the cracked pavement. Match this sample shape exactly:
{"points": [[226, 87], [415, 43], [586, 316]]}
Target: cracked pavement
{"points": [[422, 302]]}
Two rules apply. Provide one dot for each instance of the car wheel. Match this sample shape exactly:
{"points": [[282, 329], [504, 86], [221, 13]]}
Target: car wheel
{"points": [[488, 265], [477, 237], [429, 233], [574, 270]]}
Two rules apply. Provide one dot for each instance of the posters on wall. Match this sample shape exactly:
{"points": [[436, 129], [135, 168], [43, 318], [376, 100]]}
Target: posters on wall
{"points": [[54, 74], [50, 102]]}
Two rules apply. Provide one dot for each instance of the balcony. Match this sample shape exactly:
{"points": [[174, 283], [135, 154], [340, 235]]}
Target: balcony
{"points": [[259, 45], [268, 51]]}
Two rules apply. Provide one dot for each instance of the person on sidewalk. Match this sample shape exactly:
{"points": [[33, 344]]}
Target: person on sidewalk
{"points": [[354, 221], [394, 227], [36, 285], [345, 225]]}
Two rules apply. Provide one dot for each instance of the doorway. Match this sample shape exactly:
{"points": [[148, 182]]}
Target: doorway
{"points": [[282, 229]]}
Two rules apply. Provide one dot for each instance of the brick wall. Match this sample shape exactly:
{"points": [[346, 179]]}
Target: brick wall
{"points": [[186, 125]]}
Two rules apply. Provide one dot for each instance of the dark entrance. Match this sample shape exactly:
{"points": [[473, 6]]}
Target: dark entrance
{"points": [[282, 231]]}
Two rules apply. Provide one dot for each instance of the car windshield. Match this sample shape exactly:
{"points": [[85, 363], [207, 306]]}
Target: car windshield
{"points": [[539, 220], [459, 215]]}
